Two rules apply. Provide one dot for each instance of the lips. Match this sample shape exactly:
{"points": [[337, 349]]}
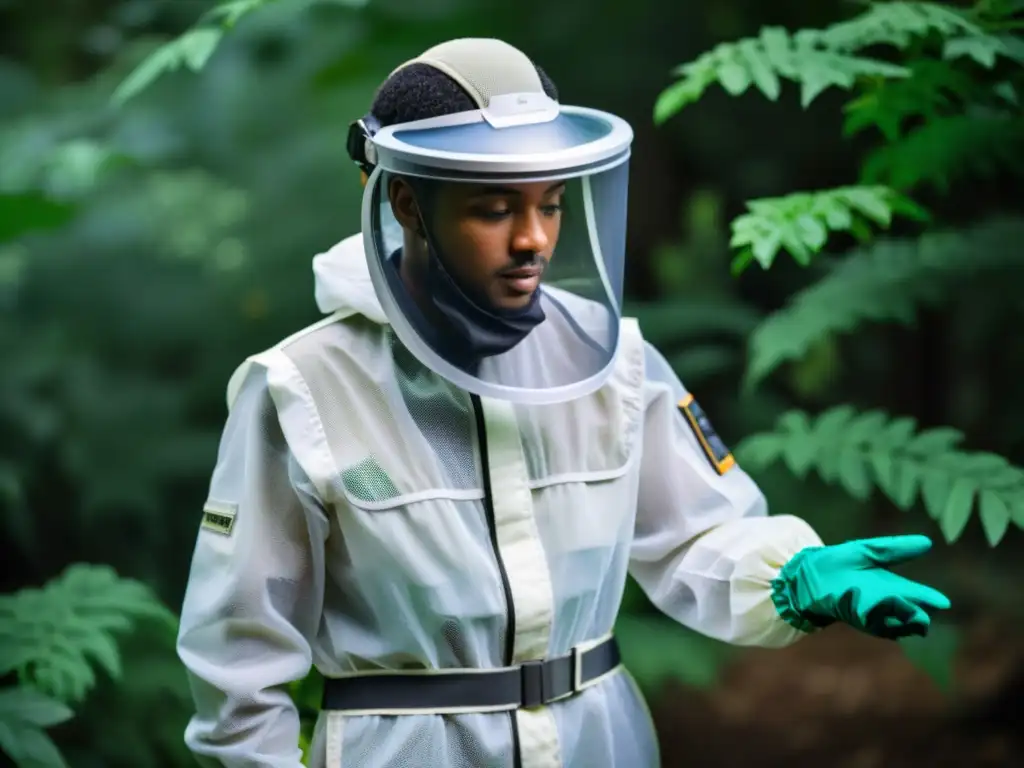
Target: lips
{"points": [[522, 279]]}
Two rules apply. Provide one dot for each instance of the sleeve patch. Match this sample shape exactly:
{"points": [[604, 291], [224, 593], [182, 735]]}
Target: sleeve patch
{"points": [[219, 517], [717, 453]]}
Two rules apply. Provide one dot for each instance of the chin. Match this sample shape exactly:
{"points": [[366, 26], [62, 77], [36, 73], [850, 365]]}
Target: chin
{"points": [[513, 302]]}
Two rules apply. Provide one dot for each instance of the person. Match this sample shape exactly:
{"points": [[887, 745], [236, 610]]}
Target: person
{"points": [[435, 494]]}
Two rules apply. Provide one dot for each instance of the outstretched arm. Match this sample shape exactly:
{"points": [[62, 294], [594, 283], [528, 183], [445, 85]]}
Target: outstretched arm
{"points": [[707, 553]]}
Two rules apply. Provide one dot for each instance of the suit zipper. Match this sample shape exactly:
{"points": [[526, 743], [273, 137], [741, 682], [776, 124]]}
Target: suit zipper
{"points": [[492, 525]]}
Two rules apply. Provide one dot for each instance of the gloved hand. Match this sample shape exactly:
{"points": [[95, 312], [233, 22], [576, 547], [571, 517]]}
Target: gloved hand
{"points": [[849, 582]]}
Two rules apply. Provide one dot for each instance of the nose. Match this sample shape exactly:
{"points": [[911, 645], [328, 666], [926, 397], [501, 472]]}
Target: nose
{"points": [[530, 234]]}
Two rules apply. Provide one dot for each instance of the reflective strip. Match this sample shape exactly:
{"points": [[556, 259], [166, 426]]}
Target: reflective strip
{"points": [[538, 738], [523, 555], [335, 738], [518, 536]]}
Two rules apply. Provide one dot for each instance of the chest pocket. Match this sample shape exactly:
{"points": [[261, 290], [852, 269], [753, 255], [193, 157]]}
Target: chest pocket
{"points": [[581, 455]]}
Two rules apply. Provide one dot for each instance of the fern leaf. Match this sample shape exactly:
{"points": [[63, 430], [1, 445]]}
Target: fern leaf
{"points": [[947, 148], [896, 24], [191, 50], [55, 633], [24, 714], [985, 49], [762, 62], [885, 282], [886, 104], [230, 13], [850, 448], [800, 223], [194, 48]]}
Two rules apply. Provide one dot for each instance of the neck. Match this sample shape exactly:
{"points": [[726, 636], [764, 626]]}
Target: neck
{"points": [[412, 269]]}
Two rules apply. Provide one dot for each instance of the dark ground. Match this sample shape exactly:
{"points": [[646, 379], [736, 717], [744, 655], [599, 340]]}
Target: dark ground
{"points": [[844, 700]]}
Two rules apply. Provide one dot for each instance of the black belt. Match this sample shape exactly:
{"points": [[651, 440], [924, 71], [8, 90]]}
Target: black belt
{"points": [[526, 685]]}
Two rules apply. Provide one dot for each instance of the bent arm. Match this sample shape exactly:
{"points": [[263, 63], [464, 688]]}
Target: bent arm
{"points": [[705, 550], [255, 593]]}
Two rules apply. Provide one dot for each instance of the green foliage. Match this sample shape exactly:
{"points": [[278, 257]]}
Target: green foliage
{"points": [[21, 213], [656, 649], [24, 715], [985, 49], [52, 636], [153, 690], [801, 222], [933, 654], [944, 107], [897, 24], [949, 148], [862, 451], [932, 88], [952, 141], [761, 62], [884, 282], [195, 47]]}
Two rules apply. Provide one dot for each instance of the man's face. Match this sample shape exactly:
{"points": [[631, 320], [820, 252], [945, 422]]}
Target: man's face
{"points": [[496, 241]]}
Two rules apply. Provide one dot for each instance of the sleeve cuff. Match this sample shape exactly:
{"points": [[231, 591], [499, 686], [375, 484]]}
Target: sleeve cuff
{"points": [[762, 612]]}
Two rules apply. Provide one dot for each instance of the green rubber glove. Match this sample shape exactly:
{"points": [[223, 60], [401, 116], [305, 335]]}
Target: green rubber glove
{"points": [[850, 583]]}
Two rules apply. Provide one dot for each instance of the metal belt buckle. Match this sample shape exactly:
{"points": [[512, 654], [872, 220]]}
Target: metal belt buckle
{"points": [[534, 684], [577, 669]]}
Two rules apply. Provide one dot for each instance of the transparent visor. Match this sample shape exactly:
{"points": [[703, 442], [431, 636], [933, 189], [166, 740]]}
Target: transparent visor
{"points": [[509, 289]]}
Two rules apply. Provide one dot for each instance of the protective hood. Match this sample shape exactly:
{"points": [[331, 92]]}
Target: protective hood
{"points": [[342, 281]]}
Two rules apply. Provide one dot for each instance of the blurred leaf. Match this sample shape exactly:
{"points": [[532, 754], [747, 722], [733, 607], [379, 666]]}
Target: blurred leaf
{"points": [[191, 50], [24, 713], [883, 283], [71, 622], [985, 48], [21, 213], [995, 516], [935, 654], [947, 149], [656, 649], [887, 104], [703, 362], [897, 24]]}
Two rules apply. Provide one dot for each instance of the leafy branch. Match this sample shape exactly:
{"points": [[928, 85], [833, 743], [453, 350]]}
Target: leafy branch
{"points": [[982, 143], [800, 223], [862, 451], [883, 282], [24, 715], [195, 47], [50, 636], [897, 24], [762, 61], [933, 88]]}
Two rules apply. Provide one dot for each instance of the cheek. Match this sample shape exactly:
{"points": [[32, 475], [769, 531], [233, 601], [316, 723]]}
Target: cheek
{"points": [[553, 228], [479, 248]]}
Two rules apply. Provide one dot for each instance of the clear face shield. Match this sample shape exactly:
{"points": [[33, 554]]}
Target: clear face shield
{"points": [[496, 245]]}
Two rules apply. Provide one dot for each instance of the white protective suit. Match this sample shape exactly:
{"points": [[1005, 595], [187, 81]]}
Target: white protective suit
{"points": [[345, 528]]}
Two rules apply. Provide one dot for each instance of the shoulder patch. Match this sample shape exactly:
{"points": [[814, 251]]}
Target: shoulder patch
{"points": [[718, 454], [219, 517]]}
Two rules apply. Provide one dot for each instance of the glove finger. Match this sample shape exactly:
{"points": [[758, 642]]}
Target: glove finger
{"points": [[921, 594], [897, 617], [891, 550]]}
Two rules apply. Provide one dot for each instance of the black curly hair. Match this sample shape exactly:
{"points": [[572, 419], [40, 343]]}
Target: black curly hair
{"points": [[419, 91]]}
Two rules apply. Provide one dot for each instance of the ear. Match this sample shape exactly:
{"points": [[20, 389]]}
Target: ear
{"points": [[403, 204]]}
